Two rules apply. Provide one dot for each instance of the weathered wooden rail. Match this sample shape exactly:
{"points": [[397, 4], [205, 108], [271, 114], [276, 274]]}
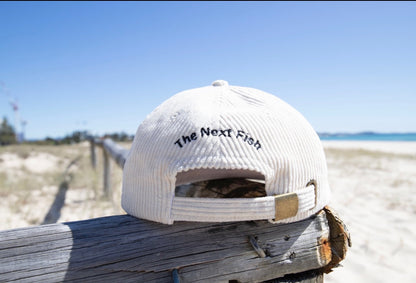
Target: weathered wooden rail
{"points": [[110, 150], [126, 249]]}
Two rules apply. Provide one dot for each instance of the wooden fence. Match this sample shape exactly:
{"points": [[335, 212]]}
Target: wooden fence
{"points": [[126, 249], [110, 150]]}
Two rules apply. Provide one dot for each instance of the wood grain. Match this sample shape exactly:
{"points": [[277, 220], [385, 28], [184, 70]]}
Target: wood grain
{"points": [[124, 248]]}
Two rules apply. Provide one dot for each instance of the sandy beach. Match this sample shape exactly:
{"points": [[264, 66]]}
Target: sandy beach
{"points": [[372, 190], [31, 177], [373, 186]]}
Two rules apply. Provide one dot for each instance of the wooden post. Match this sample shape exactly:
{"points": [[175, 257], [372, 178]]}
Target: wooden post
{"points": [[124, 248], [107, 174], [93, 157], [111, 150], [117, 152]]}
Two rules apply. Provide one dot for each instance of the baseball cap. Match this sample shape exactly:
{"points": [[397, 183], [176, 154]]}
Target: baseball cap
{"points": [[224, 131]]}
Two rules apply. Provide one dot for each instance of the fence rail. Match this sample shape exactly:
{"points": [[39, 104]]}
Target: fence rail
{"points": [[124, 248], [111, 150]]}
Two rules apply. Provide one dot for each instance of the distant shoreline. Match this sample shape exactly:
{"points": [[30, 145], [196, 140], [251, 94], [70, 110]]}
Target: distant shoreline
{"points": [[368, 136]]}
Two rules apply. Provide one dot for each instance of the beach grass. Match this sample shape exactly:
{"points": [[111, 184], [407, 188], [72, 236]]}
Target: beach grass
{"points": [[30, 176]]}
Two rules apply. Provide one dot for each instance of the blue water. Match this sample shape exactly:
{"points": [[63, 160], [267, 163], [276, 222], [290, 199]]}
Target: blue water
{"points": [[369, 137]]}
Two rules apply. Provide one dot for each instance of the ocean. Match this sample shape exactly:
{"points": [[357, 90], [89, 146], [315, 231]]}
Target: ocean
{"points": [[369, 137]]}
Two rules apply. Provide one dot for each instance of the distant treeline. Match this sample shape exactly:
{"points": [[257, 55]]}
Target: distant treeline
{"points": [[8, 136], [80, 136]]}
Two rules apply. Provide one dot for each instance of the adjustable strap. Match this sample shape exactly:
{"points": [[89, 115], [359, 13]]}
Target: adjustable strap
{"points": [[241, 209]]}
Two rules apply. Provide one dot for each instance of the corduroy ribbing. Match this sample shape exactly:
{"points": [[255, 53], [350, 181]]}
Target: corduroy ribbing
{"points": [[222, 127], [237, 209]]}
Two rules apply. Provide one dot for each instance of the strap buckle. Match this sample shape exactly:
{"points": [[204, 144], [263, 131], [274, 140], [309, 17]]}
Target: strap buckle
{"points": [[286, 206]]}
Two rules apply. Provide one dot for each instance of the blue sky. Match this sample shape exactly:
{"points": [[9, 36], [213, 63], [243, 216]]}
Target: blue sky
{"points": [[103, 66]]}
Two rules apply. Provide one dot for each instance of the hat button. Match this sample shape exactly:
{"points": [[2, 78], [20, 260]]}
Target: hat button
{"points": [[220, 83]]}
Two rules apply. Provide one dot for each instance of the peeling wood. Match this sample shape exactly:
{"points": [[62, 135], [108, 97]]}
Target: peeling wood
{"points": [[325, 250], [339, 239]]}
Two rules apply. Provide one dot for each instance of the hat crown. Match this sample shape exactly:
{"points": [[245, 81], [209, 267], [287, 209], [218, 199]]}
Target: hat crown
{"points": [[220, 131]]}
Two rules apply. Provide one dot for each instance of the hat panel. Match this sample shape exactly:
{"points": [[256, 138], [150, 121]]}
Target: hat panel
{"points": [[289, 145], [223, 127], [161, 141]]}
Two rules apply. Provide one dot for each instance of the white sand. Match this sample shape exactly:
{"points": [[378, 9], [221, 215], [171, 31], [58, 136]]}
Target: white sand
{"points": [[20, 209], [35, 162], [383, 146], [30, 177], [373, 186]]}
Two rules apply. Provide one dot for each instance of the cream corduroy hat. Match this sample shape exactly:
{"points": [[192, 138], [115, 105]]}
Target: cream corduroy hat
{"points": [[223, 131]]}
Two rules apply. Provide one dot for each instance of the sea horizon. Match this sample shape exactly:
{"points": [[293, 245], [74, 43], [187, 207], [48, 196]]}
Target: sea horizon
{"points": [[368, 136]]}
